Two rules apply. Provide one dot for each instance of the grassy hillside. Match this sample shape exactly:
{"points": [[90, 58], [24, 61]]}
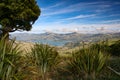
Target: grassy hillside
{"points": [[43, 62]]}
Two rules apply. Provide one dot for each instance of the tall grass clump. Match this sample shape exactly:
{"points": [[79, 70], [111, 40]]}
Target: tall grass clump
{"points": [[87, 64], [9, 56], [45, 58], [102, 46], [115, 48]]}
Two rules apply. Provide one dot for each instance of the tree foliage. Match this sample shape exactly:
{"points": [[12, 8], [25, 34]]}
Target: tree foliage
{"points": [[18, 15]]}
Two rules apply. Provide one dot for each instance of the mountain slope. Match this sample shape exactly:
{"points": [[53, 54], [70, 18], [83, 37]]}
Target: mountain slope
{"points": [[69, 37]]}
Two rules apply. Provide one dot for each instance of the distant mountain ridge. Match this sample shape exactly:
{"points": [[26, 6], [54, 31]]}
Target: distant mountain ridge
{"points": [[47, 36], [70, 37]]}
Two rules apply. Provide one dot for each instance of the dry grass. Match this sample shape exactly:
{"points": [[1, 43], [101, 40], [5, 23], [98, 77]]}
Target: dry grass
{"points": [[25, 46]]}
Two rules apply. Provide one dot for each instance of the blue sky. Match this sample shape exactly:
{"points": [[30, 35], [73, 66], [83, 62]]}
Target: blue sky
{"points": [[83, 16]]}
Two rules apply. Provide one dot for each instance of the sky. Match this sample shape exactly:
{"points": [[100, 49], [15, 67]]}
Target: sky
{"points": [[82, 16]]}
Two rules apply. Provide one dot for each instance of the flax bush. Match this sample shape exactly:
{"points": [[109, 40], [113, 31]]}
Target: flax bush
{"points": [[9, 57], [87, 64], [45, 59]]}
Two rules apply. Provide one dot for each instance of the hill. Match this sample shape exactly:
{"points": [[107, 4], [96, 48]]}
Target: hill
{"points": [[61, 39]]}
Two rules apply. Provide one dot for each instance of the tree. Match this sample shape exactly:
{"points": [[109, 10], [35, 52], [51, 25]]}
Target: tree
{"points": [[17, 15]]}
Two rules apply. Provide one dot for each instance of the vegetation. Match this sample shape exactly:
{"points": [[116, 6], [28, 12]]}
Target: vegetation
{"points": [[45, 59], [87, 64], [9, 60], [17, 15], [43, 62], [115, 48]]}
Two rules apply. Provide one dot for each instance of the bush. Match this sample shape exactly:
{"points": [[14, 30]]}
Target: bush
{"points": [[108, 74], [45, 58], [101, 46], [87, 64], [9, 57], [115, 48]]}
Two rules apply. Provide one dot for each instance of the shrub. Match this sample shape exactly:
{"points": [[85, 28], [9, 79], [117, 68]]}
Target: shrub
{"points": [[45, 58], [87, 64], [9, 56], [115, 48], [101, 46]]}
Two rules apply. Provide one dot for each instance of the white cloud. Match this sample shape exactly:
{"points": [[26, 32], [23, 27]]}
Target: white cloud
{"points": [[112, 15], [56, 12], [80, 28], [80, 17], [111, 21], [74, 27], [53, 6]]}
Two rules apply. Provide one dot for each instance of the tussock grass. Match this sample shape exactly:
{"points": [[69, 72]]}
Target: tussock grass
{"points": [[45, 59], [9, 58], [43, 62], [87, 63]]}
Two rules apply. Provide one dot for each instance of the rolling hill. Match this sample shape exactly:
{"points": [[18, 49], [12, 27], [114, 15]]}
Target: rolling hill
{"points": [[65, 38]]}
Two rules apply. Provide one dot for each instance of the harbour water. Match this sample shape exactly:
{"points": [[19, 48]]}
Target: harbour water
{"points": [[50, 42]]}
